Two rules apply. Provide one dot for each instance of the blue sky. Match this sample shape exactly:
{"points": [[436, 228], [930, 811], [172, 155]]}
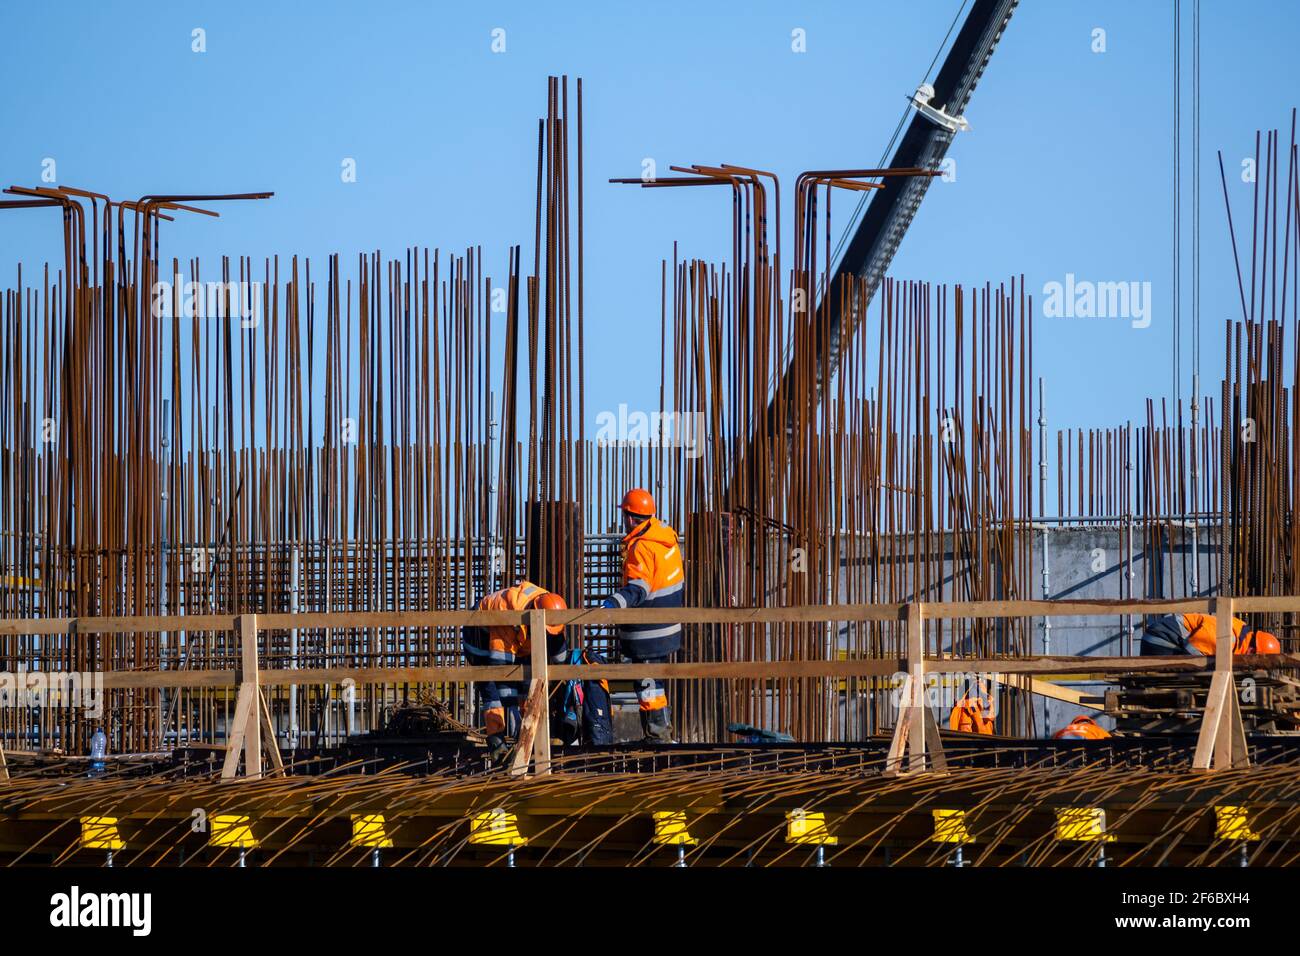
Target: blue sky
{"points": [[1066, 169]]}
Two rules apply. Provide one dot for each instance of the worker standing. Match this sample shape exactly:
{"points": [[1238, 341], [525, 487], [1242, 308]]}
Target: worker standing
{"points": [[499, 644], [1172, 634], [653, 577]]}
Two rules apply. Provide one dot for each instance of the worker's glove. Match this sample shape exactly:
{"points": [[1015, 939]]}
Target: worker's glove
{"points": [[610, 603]]}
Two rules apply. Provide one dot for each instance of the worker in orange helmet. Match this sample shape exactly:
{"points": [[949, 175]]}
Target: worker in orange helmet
{"points": [[653, 577], [973, 714], [501, 701], [1171, 634], [1082, 728]]}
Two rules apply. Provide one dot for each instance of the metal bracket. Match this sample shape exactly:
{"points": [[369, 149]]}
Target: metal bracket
{"points": [[921, 100]]}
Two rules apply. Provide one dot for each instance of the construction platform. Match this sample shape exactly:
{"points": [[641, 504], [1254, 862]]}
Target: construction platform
{"points": [[414, 802]]}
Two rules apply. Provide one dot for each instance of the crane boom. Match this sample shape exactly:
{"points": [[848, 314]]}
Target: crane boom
{"points": [[889, 211]]}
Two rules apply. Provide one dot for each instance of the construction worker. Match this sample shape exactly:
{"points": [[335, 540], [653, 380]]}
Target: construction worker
{"points": [[972, 715], [1082, 728], [652, 578], [509, 644], [1171, 634]]}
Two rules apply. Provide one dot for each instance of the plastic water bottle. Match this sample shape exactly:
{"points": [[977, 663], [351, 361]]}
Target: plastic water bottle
{"points": [[98, 748]]}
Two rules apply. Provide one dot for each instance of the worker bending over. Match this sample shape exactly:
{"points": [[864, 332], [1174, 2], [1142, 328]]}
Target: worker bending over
{"points": [[1172, 634], [652, 578], [1082, 728], [500, 701]]}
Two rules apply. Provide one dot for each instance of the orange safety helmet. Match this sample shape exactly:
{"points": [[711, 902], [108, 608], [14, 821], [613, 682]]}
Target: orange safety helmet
{"points": [[638, 502], [1257, 642], [1082, 728], [550, 601]]}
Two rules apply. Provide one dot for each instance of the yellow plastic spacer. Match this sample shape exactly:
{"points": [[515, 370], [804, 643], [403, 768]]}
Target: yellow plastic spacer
{"points": [[950, 827], [803, 826], [495, 828], [232, 830], [100, 833], [1232, 823], [368, 830], [1082, 825], [670, 828]]}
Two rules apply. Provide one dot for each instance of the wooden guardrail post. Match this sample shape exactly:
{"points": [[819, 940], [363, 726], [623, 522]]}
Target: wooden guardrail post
{"points": [[915, 733], [1221, 743], [535, 724], [250, 727]]}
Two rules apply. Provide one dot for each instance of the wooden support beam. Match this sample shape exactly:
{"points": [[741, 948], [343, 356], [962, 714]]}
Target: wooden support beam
{"points": [[4, 766], [250, 717], [1047, 689], [535, 725], [523, 752], [1221, 743], [916, 734], [268, 736]]}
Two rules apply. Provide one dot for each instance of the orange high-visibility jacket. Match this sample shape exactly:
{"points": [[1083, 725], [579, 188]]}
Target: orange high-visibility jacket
{"points": [[653, 577], [1201, 631], [506, 643], [969, 716]]}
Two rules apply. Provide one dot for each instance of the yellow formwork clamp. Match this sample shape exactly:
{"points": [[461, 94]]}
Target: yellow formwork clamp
{"points": [[496, 828], [100, 833], [1082, 825], [950, 827], [232, 830], [1233, 823], [808, 827], [671, 829], [371, 831]]}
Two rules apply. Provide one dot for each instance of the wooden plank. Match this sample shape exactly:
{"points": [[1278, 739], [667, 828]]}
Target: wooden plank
{"points": [[1045, 689], [916, 744], [523, 751], [268, 735], [4, 765], [603, 616], [238, 733], [1215, 702], [898, 742], [866, 667], [1224, 740], [540, 662], [118, 625], [1092, 608]]}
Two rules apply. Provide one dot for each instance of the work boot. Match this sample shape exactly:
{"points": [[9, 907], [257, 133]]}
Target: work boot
{"points": [[657, 726], [498, 750]]}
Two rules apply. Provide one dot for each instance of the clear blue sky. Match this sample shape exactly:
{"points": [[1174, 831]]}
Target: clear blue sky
{"points": [[1067, 167]]}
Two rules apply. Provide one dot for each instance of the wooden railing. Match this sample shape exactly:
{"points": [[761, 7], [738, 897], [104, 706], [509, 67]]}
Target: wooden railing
{"points": [[915, 747]]}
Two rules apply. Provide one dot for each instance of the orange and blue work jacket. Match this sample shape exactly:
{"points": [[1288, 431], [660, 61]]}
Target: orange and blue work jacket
{"points": [[653, 577], [508, 643], [1196, 634]]}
